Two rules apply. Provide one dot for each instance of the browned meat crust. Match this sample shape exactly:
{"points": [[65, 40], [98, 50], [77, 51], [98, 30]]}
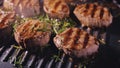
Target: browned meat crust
{"points": [[33, 33], [93, 15], [56, 8], [24, 8], [6, 22], [76, 42]]}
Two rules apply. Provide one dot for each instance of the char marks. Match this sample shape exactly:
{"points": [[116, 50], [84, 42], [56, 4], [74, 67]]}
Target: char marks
{"points": [[23, 8], [94, 9], [93, 15], [86, 40], [76, 42], [74, 37], [56, 8], [57, 4], [101, 13], [6, 18]]}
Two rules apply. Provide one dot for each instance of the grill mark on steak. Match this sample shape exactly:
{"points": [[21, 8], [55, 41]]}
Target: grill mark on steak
{"points": [[76, 40], [57, 4], [86, 9], [27, 34], [22, 30], [50, 2], [101, 13], [64, 8], [80, 43], [24, 8], [72, 36], [93, 11], [90, 9], [87, 6], [24, 33], [5, 19], [67, 36], [93, 15], [77, 36], [86, 40], [56, 9], [82, 9]]}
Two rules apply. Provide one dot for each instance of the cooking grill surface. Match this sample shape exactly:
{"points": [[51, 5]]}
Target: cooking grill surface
{"points": [[46, 59], [11, 54], [43, 59]]}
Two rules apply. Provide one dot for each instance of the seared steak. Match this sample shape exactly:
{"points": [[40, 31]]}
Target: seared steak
{"points": [[56, 8], [24, 8], [6, 21], [33, 33], [76, 42], [93, 15]]}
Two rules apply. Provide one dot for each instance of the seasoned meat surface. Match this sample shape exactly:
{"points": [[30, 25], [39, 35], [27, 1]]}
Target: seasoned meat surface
{"points": [[6, 21], [24, 8], [56, 8], [33, 33], [76, 42], [93, 15]]}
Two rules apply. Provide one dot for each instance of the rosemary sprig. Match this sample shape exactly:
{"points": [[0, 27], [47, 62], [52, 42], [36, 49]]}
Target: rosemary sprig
{"points": [[102, 41], [58, 26], [17, 62], [17, 47]]}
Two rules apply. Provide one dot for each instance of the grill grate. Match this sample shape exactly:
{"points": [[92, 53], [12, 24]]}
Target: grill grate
{"points": [[11, 54]]}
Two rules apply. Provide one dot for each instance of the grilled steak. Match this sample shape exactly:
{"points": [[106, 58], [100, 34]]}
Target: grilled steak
{"points": [[76, 42], [24, 8], [6, 22], [56, 8], [76, 2], [32, 33], [93, 15]]}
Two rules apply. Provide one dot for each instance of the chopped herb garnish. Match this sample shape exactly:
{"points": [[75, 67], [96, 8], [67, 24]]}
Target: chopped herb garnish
{"points": [[44, 30], [58, 25], [17, 62], [17, 47], [102, 41]]}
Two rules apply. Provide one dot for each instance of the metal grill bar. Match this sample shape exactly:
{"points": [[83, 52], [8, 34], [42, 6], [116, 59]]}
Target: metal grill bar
{"points": [[23, 56], [14, 55], [69, 64], [31, 60], [49, 64], [114, 1], [4, 55], [1, 48], [40, 63], [59, 64]]}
